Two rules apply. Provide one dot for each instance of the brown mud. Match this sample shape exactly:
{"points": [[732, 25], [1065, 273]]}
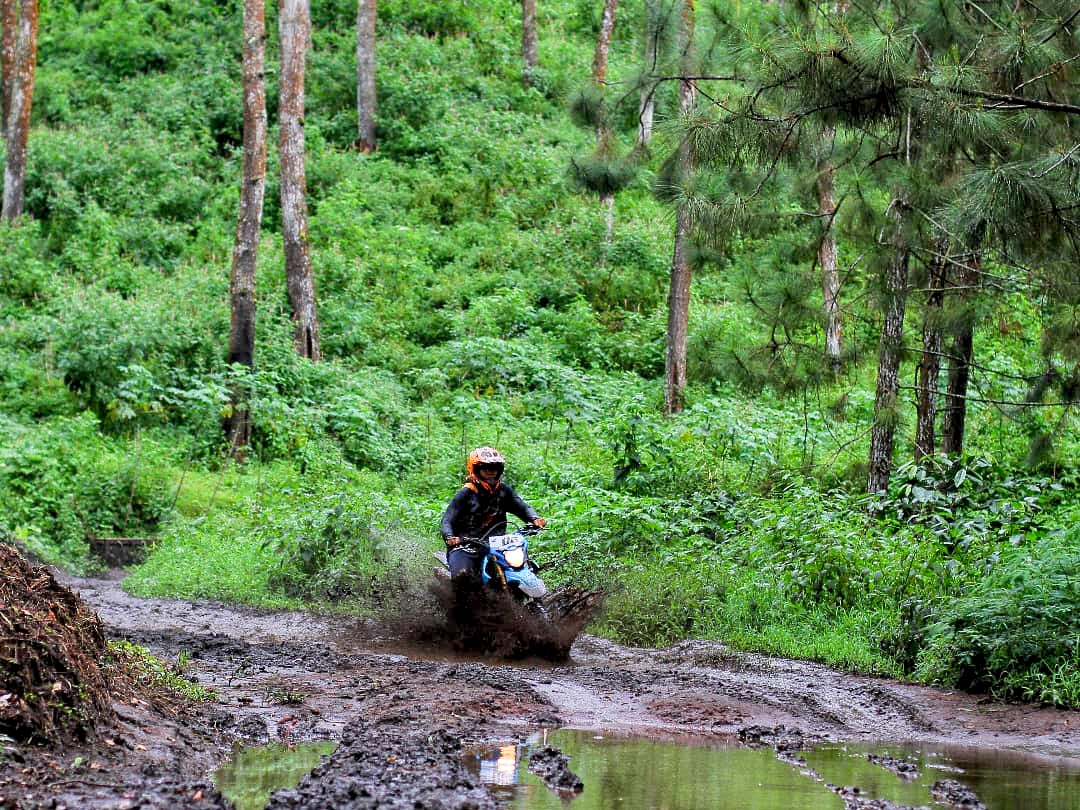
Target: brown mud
{"points": [[404, 711]]}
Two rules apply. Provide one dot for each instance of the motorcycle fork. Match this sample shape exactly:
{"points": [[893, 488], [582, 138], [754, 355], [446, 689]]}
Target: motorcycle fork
{"points": [[500, 577]]}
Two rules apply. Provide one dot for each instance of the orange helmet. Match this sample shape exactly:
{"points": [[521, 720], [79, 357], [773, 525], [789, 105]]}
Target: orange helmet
{"points": [[487, 457]]}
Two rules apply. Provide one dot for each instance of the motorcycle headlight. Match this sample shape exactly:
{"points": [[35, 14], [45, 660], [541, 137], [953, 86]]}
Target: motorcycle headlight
{"points": [[515, 557]]}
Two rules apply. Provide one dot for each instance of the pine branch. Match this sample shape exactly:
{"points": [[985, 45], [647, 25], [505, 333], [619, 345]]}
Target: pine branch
{"points": [[1014, 102], [990, 401]]}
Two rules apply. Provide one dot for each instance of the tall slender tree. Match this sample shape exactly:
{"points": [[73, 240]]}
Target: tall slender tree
{"points": [[530, 50], [9, 21], [679, 288], [826, 253], [294, 24], [249, 221], [603, 131], [366, 99], [655, 23], [961, 352], [929, 367], [890, 347], [18, 123]]}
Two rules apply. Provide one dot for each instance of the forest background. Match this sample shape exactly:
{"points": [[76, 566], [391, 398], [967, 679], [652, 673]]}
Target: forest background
{"points": [[474, 287]]}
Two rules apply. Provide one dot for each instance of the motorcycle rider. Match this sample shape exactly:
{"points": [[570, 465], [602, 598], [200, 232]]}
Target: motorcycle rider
{"points": [[479, 509]]}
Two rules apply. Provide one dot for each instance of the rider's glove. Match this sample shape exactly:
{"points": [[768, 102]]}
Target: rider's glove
{"points": [[452, 541], [539, 522]]}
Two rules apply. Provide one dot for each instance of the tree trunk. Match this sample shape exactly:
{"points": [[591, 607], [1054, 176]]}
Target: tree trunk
{"points": [[830, 275], [952, 428], [603, 42], [18, 123], [926, 376], [892, 333], [9, 19], [603, 134], [679, 291], [648, 89], [366, 100], [530, 51], [249, 221], [294, 23]]}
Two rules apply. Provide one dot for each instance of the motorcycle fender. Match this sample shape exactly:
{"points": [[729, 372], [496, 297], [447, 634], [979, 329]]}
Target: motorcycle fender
{"points": [[529, 583]]}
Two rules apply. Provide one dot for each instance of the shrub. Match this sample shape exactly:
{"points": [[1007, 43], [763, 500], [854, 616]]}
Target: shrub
{"points": [[61, 482], [1017, 632]]}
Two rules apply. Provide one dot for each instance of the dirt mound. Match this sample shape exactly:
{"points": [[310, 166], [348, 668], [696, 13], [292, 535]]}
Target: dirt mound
{"points": [[51, 646], [553, 767], [385, 766], [480, 620]]}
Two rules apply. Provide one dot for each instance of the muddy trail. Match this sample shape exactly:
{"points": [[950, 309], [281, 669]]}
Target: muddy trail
{"points": [[404, 712]]}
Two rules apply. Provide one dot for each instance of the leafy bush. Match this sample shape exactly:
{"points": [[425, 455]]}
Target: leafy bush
{"points": [[61, 483], [1017, 632]]}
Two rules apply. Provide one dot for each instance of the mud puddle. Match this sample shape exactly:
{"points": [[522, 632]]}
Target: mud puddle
{"points": [[253, 773], [621, 772]]}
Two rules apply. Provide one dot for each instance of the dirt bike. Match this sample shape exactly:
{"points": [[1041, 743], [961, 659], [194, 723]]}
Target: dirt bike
{"points": [[507, 568], [510, 611]]}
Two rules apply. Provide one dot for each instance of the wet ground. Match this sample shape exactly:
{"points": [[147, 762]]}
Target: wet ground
{"points": [[405, 714]]}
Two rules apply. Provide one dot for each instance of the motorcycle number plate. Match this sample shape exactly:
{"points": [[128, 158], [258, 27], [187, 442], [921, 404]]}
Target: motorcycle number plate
{"points": [[501, 542]]}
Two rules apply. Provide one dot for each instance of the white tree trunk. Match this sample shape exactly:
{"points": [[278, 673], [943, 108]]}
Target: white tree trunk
{"points": [[830, 275], [647, 108], [366, 100]]}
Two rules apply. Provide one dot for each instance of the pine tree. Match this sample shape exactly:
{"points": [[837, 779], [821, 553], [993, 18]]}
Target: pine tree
{"points": [[971, 141], [9, 21]]}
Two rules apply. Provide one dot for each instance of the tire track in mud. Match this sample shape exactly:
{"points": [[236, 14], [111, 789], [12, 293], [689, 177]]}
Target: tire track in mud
{"points": [[605, 685], [297, 676]]}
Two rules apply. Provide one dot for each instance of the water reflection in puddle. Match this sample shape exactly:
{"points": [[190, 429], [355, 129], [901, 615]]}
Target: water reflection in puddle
{"points": [[252, 774], [639, 774]]}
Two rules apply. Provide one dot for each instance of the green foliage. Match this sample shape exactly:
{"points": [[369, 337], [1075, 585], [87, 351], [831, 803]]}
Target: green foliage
{"points": [[149, 672], [467, 297], [1017, 632], [61, 483]]}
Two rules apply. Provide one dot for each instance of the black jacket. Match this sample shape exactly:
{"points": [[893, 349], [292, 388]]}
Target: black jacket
{"points": [[477, 514]]}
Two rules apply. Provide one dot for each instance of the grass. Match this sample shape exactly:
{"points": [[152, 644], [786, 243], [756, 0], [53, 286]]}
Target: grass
{"points": [[154, 674]]}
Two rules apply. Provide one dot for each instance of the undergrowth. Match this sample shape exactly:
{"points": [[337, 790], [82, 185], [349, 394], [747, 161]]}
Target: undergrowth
{"points": [[150, 673]]}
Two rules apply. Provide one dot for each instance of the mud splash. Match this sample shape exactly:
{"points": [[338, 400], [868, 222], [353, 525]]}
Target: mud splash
{"points": [[480, 621]]}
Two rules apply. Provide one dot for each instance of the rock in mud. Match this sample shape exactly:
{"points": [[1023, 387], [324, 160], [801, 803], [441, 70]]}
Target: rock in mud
{"points": [[51, 651], [787, 742], [855, 800], [552, 765], [900, 767], [956, 794], [384, 766]]}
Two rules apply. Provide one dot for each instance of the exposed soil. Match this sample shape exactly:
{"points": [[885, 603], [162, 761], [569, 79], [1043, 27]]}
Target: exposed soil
{"points": [[403, 710]]}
